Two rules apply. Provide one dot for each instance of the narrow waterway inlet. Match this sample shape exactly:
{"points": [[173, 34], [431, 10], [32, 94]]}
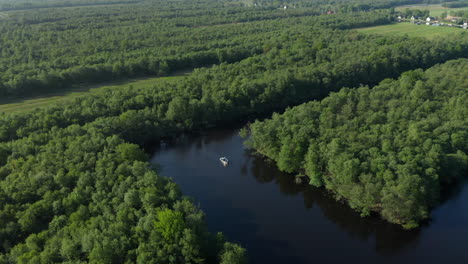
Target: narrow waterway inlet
{"points": [[280, 221]]}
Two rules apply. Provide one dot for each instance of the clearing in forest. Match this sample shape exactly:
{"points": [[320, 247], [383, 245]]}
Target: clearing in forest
{"points": [[412, 30], [11, 105], [435, 10]]}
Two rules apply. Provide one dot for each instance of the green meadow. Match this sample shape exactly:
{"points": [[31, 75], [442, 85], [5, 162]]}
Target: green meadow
{"points": [[429, 32], [435, 10], [12, 104]]}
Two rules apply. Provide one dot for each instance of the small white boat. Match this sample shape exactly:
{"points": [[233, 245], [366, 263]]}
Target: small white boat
{"points": [[224, 161]]}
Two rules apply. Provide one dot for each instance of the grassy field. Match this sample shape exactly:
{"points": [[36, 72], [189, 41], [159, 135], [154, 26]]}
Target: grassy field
{"points": [[11, 105], [429, 32], [435, 10]]}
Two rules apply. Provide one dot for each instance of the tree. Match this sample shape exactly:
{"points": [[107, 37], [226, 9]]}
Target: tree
{"points": [[232, 254], [170, 224]]}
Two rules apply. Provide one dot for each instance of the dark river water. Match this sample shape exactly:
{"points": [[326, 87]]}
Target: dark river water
{"points": [[279, 221]]}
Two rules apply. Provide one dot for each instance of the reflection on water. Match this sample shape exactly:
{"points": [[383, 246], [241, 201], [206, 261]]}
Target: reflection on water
{"points": [[279, 221], [389, 238]]}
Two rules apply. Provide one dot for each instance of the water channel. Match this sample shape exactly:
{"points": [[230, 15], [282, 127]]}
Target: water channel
{"points": [[279, 221]]}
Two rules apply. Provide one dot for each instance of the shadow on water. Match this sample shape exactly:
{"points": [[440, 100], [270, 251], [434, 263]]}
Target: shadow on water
{"points": [[389, 238], [280, 221], [231, 220], [453, 190]]}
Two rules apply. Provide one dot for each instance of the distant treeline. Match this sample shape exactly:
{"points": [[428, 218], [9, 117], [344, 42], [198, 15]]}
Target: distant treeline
{"points": [[8, 5], [461, 13], [422, 14], [347, 5], [456, 4], [45, 50], [336, 5], [388, 149], [296, 66]]}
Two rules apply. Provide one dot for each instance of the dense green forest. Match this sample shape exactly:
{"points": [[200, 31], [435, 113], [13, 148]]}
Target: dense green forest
{"points": [[82, 196], [75, 184], [7, 5], [388, 149], [296, 67], [49, 49], [52, 48]]}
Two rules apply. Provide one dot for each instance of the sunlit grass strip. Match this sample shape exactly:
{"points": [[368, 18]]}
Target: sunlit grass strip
{"points": [[435, 10], [429, 32], [11, 105]]}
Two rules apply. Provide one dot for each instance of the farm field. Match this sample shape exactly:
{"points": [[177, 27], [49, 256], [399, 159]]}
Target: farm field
{"points": [[435, 10], [16, 105], [429, 32]]}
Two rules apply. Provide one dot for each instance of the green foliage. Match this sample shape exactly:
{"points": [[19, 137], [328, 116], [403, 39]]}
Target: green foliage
{"points": [[170, 224], [75, 186], [312, 164], [232, 254], [131, 152], [415, 12], [456, 4], [51, 48], [6, 5], [296, 70], [85, 197], [388, 149], [3, 155]]}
